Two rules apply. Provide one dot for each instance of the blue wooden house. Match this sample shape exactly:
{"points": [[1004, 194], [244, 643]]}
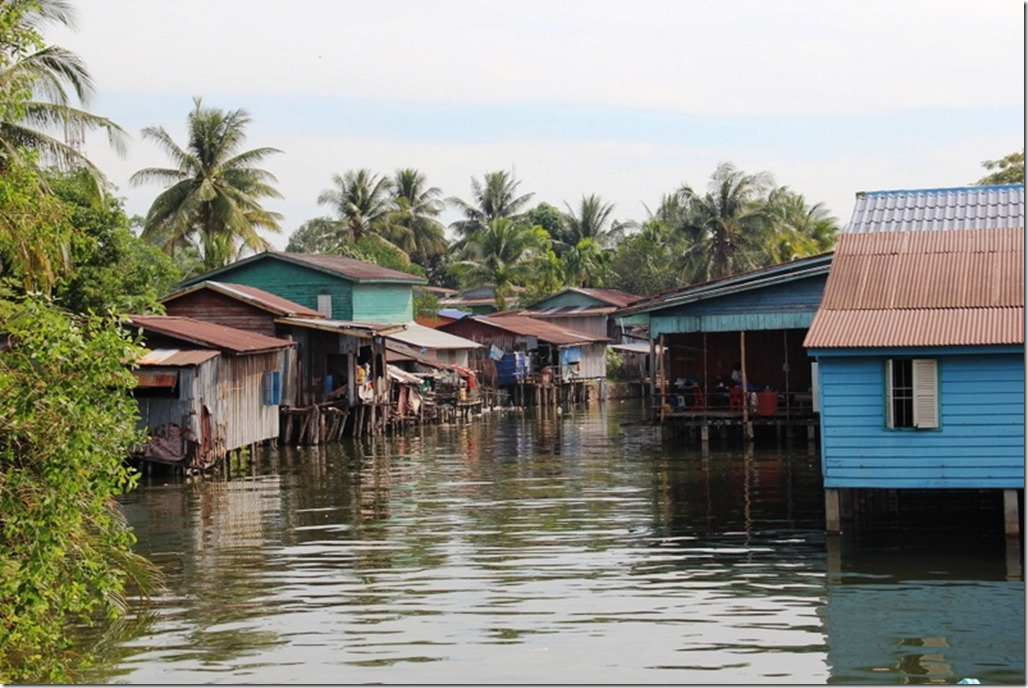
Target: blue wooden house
{"points": [[919, 344], [338, 287]]}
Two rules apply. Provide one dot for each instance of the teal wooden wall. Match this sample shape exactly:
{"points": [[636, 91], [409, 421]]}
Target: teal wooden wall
{"points": [[980, 441], [383, 303], [369, 302]]}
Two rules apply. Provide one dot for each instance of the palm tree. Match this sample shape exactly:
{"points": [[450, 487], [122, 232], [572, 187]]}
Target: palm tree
{"points": [[586, 263], [496, 197], [589, 223], [37, 85], [412, 225], [726, 227], [361, 200], [213, 193], [799, 229], [504, 254]]}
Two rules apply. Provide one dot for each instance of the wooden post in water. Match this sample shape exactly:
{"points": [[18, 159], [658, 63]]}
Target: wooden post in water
{"points": [[746, 423]]}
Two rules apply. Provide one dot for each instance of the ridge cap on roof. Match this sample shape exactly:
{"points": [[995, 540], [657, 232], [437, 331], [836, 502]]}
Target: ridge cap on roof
{"points": [[940, 189]]}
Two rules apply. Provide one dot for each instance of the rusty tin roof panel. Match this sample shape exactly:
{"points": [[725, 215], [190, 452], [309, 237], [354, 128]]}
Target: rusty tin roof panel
{"points": [[955, 269], [952, 288], [353, 269], [531, 327], [208, 335], [925, 327]]}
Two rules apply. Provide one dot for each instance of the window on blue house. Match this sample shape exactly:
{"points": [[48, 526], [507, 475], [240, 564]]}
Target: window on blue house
{"points": [[912, 394]]}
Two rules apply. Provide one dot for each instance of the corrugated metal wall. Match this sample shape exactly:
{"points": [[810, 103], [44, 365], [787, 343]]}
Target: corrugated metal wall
{"points": [[241, 415]]}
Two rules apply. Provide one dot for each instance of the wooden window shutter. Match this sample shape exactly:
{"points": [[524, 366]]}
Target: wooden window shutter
{"points": [[926, 393]]}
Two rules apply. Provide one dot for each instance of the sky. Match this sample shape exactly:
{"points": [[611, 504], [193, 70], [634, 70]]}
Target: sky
{"points": [[625, 99]]}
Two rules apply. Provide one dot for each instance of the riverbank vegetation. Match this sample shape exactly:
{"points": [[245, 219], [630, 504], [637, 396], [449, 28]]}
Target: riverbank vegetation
{"points": [[68, 263]]}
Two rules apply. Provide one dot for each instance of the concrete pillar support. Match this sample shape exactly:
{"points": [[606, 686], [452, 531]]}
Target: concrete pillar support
{"points": [[833, 514], [1011, 514]]}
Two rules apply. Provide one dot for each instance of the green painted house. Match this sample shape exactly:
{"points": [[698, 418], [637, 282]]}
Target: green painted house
{"points": [[338, 287]]}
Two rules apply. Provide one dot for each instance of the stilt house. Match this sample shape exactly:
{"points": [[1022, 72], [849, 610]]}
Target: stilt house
{"points": [[919, 343], [205, 389]]}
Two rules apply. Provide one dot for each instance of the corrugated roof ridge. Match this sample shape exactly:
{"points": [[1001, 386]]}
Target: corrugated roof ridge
{"points": [[941, 189]]}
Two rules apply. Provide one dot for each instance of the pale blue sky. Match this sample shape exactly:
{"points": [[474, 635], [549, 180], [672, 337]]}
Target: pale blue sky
{"points": [[624, 99]]}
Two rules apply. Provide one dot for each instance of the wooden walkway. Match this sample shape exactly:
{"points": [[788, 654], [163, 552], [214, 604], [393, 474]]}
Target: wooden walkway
{"points": [[701, 425]]}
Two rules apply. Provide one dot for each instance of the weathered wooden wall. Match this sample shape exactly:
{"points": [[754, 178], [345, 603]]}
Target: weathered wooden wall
{"points": [[979, 444]]}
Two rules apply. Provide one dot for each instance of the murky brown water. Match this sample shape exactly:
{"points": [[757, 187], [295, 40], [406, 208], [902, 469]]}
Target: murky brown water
{"points": [[566, 549]]}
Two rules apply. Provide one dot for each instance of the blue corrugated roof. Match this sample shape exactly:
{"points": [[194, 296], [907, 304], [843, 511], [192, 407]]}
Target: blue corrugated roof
{"points": [[998, 206]]}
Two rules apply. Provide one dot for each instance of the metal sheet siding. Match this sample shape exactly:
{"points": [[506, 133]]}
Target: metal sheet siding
{"points": [[980, 442], [208, 334], [241, 413]]}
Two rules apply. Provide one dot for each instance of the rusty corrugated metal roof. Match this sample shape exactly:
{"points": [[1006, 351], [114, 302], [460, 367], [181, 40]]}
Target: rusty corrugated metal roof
{"points": [[351, 268], [959, 208], [208, 335], [251, 295], [931, 288], [916, 327], [614, 297], [548, 332]]}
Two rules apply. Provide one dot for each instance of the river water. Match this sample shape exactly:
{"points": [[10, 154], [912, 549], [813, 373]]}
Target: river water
{"points": [[571, 548]]}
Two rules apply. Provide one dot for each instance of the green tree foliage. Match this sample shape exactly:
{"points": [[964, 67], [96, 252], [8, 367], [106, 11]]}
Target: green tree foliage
{"points": [[113, 270], [798, 229], [67, 422], [1007, 170], [213, 194], [35, 234], [591, 221], [317, 235], [495, 197], [503, 254], [361, 200], [40, 85], [549, 218], [412, 225], [647, 262], [726, 228]]}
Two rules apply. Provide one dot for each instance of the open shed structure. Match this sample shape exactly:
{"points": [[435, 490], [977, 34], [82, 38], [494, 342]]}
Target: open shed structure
{"points": [[205, 390], [733, 351], [919, 343]]}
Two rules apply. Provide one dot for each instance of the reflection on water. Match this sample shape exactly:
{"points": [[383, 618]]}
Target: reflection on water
{"points": [[569, 548]]}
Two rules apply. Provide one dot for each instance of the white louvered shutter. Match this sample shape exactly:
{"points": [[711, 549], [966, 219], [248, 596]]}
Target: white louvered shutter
{"points": [[926, 393]]}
